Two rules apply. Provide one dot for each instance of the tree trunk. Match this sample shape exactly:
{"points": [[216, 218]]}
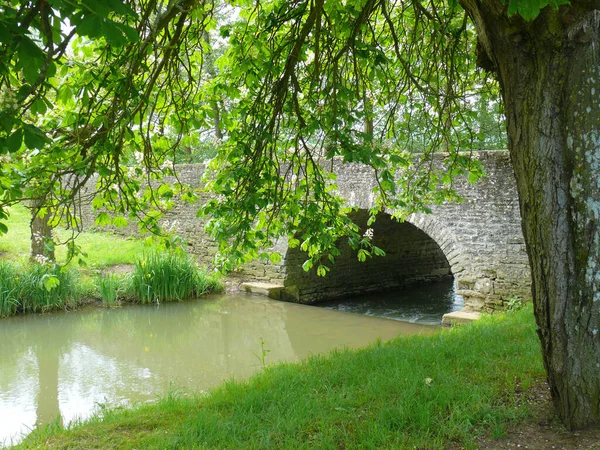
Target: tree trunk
{"points": [[41, 234], [549, 72]]}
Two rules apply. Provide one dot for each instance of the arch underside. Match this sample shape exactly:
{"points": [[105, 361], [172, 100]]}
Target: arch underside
{"points": [[412, 257]]}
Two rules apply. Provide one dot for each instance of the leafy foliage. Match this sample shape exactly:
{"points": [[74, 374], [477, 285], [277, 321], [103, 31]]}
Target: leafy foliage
{"points": [[530, 9], [275, 91]]}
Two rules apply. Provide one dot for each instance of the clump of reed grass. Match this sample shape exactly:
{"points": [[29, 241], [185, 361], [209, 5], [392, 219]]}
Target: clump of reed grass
{"points": [[9, 290], [110, 286], [37, 295], [169, 276], [36, 288]]}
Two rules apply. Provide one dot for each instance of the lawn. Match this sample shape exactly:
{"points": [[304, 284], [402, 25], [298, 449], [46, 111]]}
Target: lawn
{"points": [[100, 246]]}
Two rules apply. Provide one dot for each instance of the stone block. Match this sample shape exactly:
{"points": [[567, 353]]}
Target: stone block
{"points": [[459, 318], [267, 289]]}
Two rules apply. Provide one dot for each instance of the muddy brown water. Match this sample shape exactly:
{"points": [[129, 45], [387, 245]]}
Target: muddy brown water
{"points": [[73, 363]]}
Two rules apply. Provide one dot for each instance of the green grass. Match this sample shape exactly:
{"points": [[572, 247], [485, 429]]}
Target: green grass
{"points": [[9, 289], [436, 391], [100, 246]]}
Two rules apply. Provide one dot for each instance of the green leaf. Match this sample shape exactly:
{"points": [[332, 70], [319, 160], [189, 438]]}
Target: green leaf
{"points": [[14, 141], [530, 9], [90, 26], [322, 270], [103, 219], [120, 222], [3, 228], [113, 35], [50, 281], [120, 8], [31, 59], [65, 94], [130, 33], [363, 255], [473, 177], [5, 36], [378, 251], [104, 171], [98, 202], [99, 7], [38, 106], [275, 257], [34, 137]]}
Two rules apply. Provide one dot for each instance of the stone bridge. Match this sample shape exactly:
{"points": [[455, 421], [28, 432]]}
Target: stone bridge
{"points": [[477, 242]]}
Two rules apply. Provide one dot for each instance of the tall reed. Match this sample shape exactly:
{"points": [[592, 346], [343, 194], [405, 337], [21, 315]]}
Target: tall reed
{"points": [[35, 296], [168, 276], [9, 289], [110, 287]]}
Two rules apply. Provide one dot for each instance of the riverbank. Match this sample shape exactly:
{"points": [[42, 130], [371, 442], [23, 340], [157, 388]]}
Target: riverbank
{"points": [[447, 390], [154, 274]]}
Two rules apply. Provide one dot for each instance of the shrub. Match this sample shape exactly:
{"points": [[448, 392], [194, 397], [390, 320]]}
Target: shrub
{"points": [[168, 276], [513, 303]]}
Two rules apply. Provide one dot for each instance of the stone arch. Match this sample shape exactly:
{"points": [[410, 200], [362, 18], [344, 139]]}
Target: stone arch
{"points": [[414, 255], [444, 237]]}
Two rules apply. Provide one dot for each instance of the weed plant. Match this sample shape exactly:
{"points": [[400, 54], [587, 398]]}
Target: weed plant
{"points": [[9, 289], [169, 276]]}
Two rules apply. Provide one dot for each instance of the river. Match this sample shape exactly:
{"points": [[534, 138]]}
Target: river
{"points": [[73, 363]]}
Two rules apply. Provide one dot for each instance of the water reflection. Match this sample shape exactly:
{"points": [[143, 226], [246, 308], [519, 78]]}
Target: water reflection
{"points": [[69, 363], [417, 304]]}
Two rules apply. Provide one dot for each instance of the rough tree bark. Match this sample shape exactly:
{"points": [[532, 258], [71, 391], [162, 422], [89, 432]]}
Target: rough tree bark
{"points": [[549, 72], [41, 232]]}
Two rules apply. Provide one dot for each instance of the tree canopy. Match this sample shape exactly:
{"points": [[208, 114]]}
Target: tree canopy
{"points": [[88, 86]]}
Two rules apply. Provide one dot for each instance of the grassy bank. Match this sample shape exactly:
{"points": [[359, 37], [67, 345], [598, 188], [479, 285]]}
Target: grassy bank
{"points": [[157, 276], [437, 391], [100, 246]]}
